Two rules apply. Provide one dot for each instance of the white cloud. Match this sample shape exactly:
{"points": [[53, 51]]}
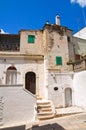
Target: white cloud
{"points": [[82, 3]]}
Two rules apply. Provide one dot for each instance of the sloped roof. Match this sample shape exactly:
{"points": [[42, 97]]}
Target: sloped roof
{"points": [[81, 33]]}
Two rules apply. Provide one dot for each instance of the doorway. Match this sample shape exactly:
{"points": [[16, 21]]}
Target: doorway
{"points": [[30, 82], [68, 97], [11, 76]]}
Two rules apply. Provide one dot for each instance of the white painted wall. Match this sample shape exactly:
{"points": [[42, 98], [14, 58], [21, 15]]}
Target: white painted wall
{"points": [[79, 84], [18, 105], [24, 66], [62, 81]]}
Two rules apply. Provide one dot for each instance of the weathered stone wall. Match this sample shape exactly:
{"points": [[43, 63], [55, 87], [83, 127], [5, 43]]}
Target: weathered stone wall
{"points": [[57, 45], [55, 39], [35, 48], [70, 46]]}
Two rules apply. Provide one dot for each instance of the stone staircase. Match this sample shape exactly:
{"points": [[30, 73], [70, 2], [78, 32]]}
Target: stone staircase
{"points": [[45, 109]]}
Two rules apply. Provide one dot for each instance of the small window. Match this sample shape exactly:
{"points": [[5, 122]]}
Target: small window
{"points": [[68, 38], [31, 38], [77, 57], [58, 60]]}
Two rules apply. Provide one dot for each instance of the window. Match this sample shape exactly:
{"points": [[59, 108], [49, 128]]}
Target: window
{"points": [[78, 57], [68, 39], [31, 38], [58, 60], [11, 75]]}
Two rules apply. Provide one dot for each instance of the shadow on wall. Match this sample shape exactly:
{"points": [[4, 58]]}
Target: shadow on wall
{"points": [[54, 126]]}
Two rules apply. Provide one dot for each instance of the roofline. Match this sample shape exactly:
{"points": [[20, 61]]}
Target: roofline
{"points": [[30, 30], [79, 30], [57, 26], [79, 38], [10, 34]]}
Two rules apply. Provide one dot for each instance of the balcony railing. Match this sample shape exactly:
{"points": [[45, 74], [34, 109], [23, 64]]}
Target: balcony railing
{"points": [[10, 47]]}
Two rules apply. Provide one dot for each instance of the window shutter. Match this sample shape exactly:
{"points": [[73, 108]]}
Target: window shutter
{"points": [[31, 38], [58, 60]]}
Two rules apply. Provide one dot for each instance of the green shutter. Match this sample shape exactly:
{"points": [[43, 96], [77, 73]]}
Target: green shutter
{"points": [[31, 38], [58, 60]]}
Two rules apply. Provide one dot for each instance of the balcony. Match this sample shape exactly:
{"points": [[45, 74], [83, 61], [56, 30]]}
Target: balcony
{"points": [[9, 42]]}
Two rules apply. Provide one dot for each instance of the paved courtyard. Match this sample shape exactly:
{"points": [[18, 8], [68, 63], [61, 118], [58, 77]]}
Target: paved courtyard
{"points": [[69, 122], [72, 122]]}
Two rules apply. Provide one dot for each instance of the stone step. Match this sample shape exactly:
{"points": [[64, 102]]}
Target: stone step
{"points": [[45, 110], [38, 97], [45, 113], [45, 117], [44, 105]]}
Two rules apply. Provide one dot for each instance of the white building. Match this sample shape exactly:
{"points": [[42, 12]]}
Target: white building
{"points": [[36, 72]]}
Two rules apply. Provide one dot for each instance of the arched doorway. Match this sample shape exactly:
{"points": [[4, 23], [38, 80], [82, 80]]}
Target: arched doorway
{"points": [[68, 97], [11, 75], [30, 82]]}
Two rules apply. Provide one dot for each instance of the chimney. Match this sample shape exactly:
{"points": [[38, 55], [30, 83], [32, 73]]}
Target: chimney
{"points": [[57, 20], [47, 22]]}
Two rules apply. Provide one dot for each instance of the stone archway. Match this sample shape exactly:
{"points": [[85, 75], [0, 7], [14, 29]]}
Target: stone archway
{"points": [[30, 82], [68, 97], [11, 75]]}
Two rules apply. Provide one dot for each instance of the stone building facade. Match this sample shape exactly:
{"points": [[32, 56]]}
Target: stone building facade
{"points": [[36, 64]]}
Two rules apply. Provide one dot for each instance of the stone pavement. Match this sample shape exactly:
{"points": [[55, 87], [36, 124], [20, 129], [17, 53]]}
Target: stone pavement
{"points": [[69, 111], [72, 122]]}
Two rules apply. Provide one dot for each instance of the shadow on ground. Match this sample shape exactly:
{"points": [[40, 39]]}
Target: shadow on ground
{"points": [[54, 126], [14, 128]]}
